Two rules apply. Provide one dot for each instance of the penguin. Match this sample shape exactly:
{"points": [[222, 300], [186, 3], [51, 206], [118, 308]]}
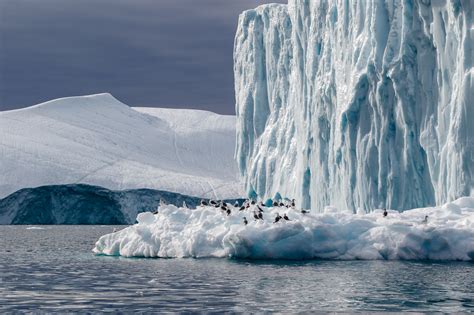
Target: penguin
{"points": [[224, 204], [247, 206], [204, 203], [242, 208], [385, 213], [303, 211], [228, 212], [293, 203], [223, 208], [281, 204], [260, 216], [286, 217], [262, 204], [277, 218], [212, 202], [162, 202], [236, 204], [275, 204], [259, 209], [253, 202], [155, 212], [255, 216], [425, 220], [245, 221]]}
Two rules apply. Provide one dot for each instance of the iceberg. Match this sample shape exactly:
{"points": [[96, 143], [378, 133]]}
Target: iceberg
{"points": [[85, 204], [357, 104], [446, 234], [98, 140]]}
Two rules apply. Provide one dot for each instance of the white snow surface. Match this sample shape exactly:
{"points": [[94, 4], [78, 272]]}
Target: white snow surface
{"points": [[360, 104], [208, 232], [98, 140]]}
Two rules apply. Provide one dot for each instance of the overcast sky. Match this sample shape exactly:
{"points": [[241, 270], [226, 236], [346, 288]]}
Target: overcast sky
{"points": [[163, 53]]}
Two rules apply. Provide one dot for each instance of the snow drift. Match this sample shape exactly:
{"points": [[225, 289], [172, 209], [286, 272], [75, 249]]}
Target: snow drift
{"points": [[100, 141], [208, 232], [357, 103]]}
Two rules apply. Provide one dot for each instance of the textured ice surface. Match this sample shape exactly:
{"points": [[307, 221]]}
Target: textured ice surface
{"points": [[68, 204], [208, 232], [100, 141], [357, 103], [84, 204]]}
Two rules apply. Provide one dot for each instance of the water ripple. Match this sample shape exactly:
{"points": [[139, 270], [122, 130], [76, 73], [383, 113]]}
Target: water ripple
{"points": [[53, 270]]}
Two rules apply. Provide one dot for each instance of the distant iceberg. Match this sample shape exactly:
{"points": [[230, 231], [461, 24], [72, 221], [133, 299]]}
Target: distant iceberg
{"points": [[84, 204], [446, 234], [98, 140], [360, 104]]}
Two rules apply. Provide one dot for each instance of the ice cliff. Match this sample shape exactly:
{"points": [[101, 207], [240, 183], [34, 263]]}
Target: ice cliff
{"points": [[357, 103]]}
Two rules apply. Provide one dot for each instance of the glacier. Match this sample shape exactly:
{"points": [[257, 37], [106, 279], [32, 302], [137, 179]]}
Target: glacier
{"points": [[98, 140], [448, 234], [357, 104]]}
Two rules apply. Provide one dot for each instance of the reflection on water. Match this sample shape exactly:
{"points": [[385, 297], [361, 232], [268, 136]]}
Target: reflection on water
{"points": [[53, 269]]}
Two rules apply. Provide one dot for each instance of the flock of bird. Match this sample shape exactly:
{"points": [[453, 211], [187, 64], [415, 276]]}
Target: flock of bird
{"points": [[251, 205]]}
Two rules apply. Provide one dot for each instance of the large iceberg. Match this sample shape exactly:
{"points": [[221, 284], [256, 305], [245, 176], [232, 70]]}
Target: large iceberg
{"points": [[357, 103], [100, 141], [446, 234]]}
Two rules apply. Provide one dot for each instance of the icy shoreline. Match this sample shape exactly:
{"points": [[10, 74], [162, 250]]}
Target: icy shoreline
{"points": [[208, 232]]}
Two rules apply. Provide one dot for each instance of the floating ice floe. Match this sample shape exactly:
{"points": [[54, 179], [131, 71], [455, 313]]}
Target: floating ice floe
{"points": [[448, 234]]}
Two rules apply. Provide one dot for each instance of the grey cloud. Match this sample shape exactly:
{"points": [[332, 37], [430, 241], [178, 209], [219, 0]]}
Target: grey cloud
{"points": [[175, 53]]}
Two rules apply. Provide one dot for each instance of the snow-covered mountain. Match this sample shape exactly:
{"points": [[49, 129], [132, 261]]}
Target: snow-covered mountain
{"points": [[357, 103], [100, 141]]}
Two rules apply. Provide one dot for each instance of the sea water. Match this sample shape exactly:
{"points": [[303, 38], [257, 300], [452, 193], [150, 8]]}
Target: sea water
{"points": [[52, 268]]}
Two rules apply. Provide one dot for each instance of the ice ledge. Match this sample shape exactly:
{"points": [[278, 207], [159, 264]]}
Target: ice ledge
{"points": [[446, 234]]}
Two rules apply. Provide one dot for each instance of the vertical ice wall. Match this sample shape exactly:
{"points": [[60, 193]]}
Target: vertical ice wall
{"points": [[361, 103]]}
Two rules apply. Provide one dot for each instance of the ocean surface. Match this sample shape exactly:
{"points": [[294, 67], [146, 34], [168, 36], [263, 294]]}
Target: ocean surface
{"points": [[52, 268]]}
